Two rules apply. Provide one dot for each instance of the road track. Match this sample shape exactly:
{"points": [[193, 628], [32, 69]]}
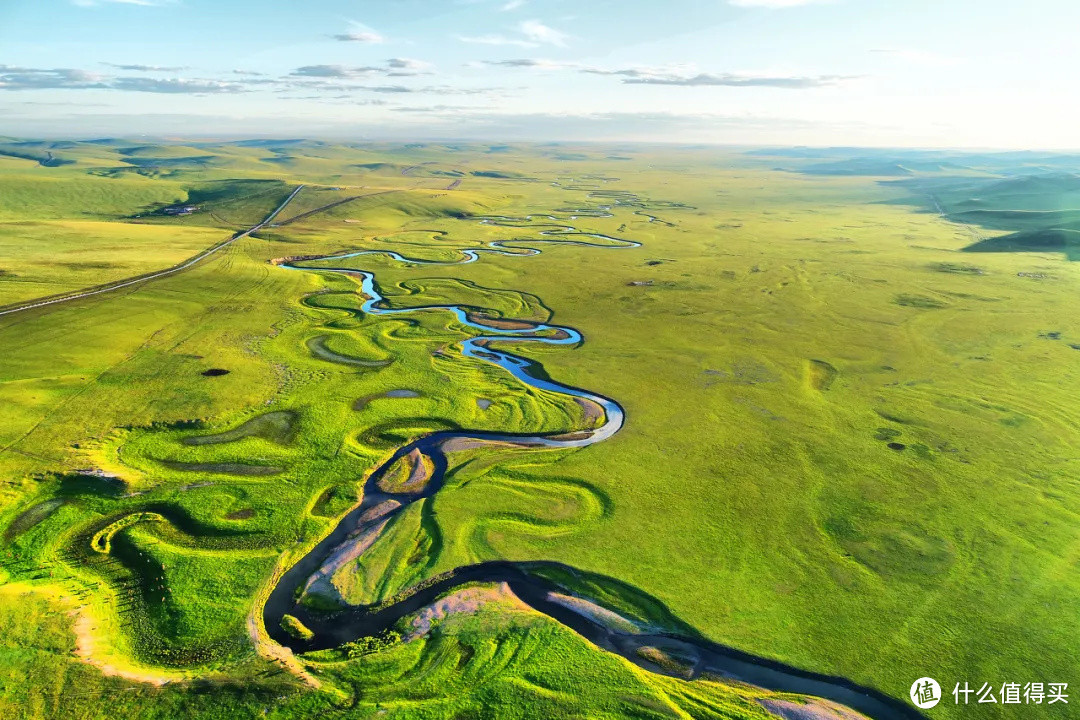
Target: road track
{"points": [[160, 274]]}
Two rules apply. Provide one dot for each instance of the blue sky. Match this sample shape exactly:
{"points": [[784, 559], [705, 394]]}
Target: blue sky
{"points": [[961, 73]]}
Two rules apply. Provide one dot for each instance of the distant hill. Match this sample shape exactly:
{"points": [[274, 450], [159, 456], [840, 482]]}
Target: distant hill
{"points": [[43, 157], [1039, 210], [1042, 192], [891, 162], [877, 167], [162, 151], [1065, 240], [1019, 219]]}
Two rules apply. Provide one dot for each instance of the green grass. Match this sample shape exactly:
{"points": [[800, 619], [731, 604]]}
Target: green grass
{"points": [[54, 257], [795, 331], [492, 664], [506, 665], [65, 194]]}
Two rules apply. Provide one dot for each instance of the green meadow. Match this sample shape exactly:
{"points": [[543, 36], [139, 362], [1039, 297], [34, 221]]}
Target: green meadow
{"points": [[849, 442]]}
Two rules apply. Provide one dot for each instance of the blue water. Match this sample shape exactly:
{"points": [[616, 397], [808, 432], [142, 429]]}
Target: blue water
{"points": [[496, 247], [479, 347]]}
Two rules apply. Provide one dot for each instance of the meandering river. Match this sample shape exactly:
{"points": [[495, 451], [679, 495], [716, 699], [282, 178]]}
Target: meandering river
{"points": [[364, 522]]}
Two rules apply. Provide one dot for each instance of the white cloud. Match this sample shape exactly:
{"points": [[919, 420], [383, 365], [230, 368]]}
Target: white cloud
{"points": [[533, 34], [24, 78], [395, 68], [538, 32], [791, 82], [360, 37], [360, 33], [679, 75], [512, 5], [533, 64], [174, 86], [148, 68], [333, 71], [407, 67], [407, 64]]}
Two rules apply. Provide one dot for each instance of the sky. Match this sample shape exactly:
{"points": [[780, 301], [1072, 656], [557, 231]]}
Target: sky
{"points": [[918, 73]]}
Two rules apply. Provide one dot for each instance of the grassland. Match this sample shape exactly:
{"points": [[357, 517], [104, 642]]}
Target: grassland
{"points": [[849, 443], [58, 257]]}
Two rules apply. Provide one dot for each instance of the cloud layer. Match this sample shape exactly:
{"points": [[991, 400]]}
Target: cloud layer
{"points": [[730, 80], [360, 33], [23, 78], [529, 34], [679, 76]]}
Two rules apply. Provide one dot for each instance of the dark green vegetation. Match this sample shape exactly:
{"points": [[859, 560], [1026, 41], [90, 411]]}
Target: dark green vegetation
{"points": [[849, 444], [1038, 212]]}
